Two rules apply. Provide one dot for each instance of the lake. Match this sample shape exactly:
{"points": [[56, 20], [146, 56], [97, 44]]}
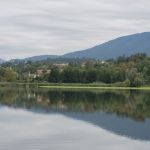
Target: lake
{"points": [[45, 119]]}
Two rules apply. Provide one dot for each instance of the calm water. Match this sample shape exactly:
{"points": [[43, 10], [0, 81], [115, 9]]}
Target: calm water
{"points": [[38, 119]]}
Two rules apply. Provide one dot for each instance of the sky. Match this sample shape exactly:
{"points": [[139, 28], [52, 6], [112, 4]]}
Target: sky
{"points": [[56, 27]]}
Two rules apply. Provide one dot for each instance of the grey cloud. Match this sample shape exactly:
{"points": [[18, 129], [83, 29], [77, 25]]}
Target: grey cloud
{"points": [[33, 27]]}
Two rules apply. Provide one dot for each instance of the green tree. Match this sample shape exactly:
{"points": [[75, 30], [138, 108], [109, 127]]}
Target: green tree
{"points": [[10, 75], [55, 75], [91, 76]]}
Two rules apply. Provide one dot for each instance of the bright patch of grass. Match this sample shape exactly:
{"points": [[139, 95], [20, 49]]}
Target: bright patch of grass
{"points": [[95, 87]]}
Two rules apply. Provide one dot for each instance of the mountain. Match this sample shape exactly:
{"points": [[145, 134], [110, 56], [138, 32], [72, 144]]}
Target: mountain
{"points": [[40, 57], [127, 45], [1, 61], [34, 58]]}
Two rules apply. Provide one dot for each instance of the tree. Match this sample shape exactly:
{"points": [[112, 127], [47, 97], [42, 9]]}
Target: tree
{"points": [[91, 76], [138, 81], [2, 72], [89, 64], [10, 75], [135, 78], [55, 75]]}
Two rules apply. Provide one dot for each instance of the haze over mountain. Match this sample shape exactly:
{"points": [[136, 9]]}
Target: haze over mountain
{"points": [[1, 61], [40, 57], [127, 45], [35, 58]]}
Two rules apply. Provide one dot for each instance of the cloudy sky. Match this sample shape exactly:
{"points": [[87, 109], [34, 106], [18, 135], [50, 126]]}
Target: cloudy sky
{"points": [[35, 27]]}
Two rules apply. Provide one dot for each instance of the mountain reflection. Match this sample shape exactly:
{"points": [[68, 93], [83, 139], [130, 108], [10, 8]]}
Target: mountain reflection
{"points": [[122, 112]]}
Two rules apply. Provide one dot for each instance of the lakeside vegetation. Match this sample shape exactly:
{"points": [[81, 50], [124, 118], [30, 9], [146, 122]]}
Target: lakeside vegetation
{"points": [[133, 71], [93, 87], [72, 86]]}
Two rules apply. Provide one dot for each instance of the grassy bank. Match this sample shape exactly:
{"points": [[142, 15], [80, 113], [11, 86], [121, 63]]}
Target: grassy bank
{"points": [[98, 86], [93, 87]]}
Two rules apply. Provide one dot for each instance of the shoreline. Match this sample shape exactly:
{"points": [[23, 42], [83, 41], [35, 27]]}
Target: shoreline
{"points": [[76, 86], [95, 87]]}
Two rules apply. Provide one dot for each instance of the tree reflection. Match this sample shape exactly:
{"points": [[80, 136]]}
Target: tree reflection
{"points": [[127, 103]]}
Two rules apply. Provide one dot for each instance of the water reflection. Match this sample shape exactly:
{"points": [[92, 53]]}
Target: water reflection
{"points": [[125, 113], [132, 104], [31, 131]]}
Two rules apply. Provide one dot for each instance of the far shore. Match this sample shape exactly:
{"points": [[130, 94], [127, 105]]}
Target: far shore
{"points": [[76, 86]]}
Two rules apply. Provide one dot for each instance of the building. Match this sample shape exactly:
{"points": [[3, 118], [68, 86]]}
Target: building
{"points": [[40, 72]]}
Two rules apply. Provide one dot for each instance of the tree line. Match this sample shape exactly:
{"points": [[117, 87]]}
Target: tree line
{"points": [[123, 71]]}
